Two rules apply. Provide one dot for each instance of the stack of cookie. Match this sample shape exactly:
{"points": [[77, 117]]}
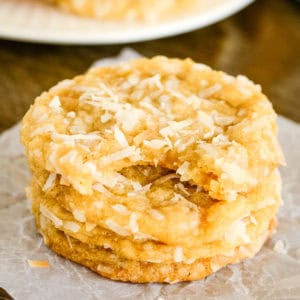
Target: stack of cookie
{"points": [[155, 170]]}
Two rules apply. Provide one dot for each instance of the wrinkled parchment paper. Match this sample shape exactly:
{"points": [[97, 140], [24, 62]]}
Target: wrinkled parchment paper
{"points": [[273, 274]]}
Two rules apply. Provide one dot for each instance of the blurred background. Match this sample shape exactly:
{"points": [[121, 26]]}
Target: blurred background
{"points": [[262, 41]]}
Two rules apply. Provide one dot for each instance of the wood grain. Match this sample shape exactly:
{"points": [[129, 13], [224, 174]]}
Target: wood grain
{"points": [[262, 42]]}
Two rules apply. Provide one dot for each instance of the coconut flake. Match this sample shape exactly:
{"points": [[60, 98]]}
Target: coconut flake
{"points": [[89, 226], [113, 226], [100, 188], [156, 214], [106, 117], [120, 209], [105, 269], [68, 240], [174, 127], [71, 226], [42, 129], [79, 215], [182, 146], [178, 254], [144, 236], [127, 152], [224, 120], [266, 202], [133, 225], [120, 137], [49, 182], [48, 214], [182, 170], [181, 187], [73, 137], [210, 91], [71, 114], [220, 139], [113, 96], [238, 230], [129, 118], [55, 104], [107, 246], [280, 247], [155, 144], [70, 157]]}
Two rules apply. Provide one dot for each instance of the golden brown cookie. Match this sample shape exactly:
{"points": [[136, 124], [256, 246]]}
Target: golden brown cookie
{"points": [[221, 225], [215, 131]]}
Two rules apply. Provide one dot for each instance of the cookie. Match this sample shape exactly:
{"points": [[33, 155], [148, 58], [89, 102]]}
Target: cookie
{"points": [[111, 224], [163, 166], [106, 263], [128, 10]]}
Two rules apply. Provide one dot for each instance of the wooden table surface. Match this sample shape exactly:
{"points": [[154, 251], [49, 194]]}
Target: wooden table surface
{"points": [[262, 42]]}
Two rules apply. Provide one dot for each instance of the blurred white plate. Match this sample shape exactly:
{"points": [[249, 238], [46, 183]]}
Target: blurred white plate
{"points": [[34, 21]]}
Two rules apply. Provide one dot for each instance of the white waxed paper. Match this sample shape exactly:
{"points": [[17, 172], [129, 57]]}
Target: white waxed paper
{"points": [[273, 273]]}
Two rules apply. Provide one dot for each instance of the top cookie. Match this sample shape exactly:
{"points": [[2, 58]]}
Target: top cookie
{"points": [[216, 131]]}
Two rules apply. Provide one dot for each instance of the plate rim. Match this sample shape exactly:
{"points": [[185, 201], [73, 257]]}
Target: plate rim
{"points": [[160, 30]]}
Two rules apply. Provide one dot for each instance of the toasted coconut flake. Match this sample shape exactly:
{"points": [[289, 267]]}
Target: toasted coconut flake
{"points": [[133, 225], [69, 240], [127, 152], [100, 188], [43, 129], [106, 117], [107, 246], [49, 184], [156, 214], [105, 269], [210, 91], [55, 104], [73, 137], [71, 114], [89, 226], [113, 226], [71, 226], [79, 215], [121, 209], [182, 146], [38, 263], [178, 254], [120, 137], [48, 214], [155, 144], [183, 168], [238, 230], [280, 247]]}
